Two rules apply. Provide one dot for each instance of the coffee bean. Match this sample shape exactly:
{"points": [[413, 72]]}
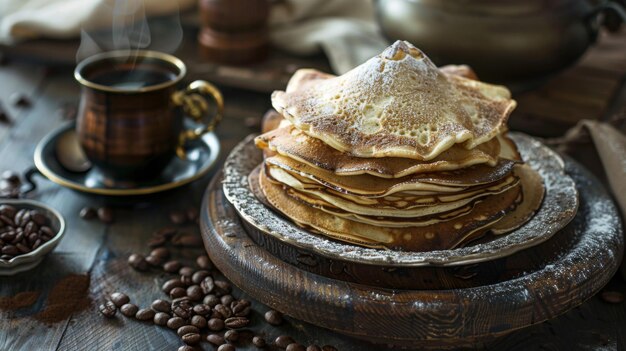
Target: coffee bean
{"points": [[161, 318], [119, 299], [178, 217], [199, 276], [178, 292], [186, 329], [191, 338], [22, 248], [231, 335], [175, 323], [283, 341], [182, 307], [161, 306], [210, 300], [138, 262], [160, 252], [613, 297], [226, 300], [313, 348], [259, 342], [236, 322], [329, 348], [215, 339], [129, 310], [47, 232], [241, 311], [154, 261], [187, 348], [171, 284], [224, 311], [88, 213], [226, 347], [195, 293], [145, 314], [187, 240], [10, 250], [215, 324], [273, 317], [186, 279], [204, 262], [295, 347], [199, 322], [108, 309], [192, 214], [186, 271], [172, 266], [222, 287], [8, 210], [157, 241], [105, 214], [201, 309], [207, 285]]}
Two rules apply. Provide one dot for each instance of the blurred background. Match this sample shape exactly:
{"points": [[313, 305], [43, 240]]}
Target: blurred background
{"points": [[540, 49]]}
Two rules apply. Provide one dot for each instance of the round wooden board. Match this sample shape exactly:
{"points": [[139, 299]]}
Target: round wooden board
{"points": [[588, 257]]}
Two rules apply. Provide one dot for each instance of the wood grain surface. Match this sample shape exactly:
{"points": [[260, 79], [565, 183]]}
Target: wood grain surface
{"points": [[100, 251]]}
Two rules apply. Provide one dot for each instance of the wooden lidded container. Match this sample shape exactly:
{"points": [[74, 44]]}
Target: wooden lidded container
{"points": [[234, 31]]}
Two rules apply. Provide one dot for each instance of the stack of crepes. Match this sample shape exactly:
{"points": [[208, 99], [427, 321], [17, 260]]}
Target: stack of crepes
{"points": [[396, 154]]}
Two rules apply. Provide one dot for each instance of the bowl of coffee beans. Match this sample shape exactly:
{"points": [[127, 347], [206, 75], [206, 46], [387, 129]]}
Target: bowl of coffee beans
{"points": [[29, 230]]}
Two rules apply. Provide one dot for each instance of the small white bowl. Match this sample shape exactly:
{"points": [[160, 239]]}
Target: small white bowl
{"points": [[30, 260]]}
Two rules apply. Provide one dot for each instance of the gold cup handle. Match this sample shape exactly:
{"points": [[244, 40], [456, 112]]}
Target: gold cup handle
{"points": [[195, 104]]}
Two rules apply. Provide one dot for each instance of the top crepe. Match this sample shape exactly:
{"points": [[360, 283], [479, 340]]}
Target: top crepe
{"points": [[397, 104]]}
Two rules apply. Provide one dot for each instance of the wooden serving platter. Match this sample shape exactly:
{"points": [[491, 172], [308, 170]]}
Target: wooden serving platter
{"points": [[585, 256]]}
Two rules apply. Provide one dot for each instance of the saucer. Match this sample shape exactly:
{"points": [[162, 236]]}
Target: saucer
{"points": [[201, 156]]}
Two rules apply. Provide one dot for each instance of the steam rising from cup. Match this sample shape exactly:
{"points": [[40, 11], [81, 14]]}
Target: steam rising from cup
{"points": [[134, 25]]}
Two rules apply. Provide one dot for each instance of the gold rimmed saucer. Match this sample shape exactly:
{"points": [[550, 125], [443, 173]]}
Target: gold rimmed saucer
{"points": [[201, 157]]}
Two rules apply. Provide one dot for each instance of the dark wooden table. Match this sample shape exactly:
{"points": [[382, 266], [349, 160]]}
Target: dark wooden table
{"points": [[99, 252]]}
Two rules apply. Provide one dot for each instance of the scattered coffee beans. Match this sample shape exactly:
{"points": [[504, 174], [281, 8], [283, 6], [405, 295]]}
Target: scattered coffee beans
{"points": [[283, 341], [313, 348], [186, 329], [145, 314], [175, 323], [191, 338], [161, 306], [273, 317], [108, 309], [295, 347], [178, 292], [259, 342], [21, 231], [236, 322], [231, 335], [612, 297], [215, 339], [105, 215], [215, 324], [119, 299], [171, 284], [172, 266], [161, 318], [204, 262], [226, 347], [129, 310], [199, 322], [88, 213], [178, 217], [138, 262]]}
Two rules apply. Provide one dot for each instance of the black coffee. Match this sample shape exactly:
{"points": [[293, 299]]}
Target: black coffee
{"points": [[132, 79]]}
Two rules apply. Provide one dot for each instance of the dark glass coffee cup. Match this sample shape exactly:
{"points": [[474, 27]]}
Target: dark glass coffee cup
{"points": [[130, 119]]}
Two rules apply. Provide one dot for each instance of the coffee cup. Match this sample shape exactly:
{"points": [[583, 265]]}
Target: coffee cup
{"points": [[131, 117]]}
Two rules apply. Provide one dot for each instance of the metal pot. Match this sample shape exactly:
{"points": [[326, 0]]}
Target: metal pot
{"points": [[510, 41]]}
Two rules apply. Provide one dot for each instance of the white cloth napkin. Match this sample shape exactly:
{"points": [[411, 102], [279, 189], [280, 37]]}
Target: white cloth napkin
{"points": [[27, 19], [345, 30]]}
